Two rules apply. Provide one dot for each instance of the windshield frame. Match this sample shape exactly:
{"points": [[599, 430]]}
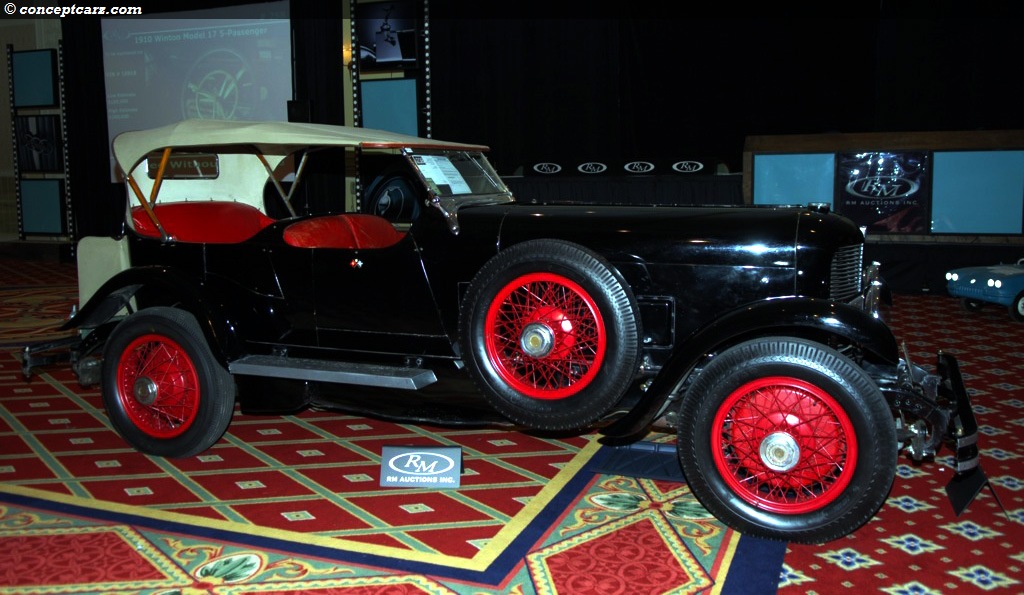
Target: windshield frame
{"points": [[439, 175]]}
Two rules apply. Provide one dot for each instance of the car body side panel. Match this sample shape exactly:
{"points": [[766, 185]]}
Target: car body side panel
{"points": [[451, 260], [401, 304]]}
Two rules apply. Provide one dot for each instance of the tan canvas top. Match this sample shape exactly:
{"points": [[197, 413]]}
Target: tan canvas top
{"points": [[269, 138], [246, 154]]}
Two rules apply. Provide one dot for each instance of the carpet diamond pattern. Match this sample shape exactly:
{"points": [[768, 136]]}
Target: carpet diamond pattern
{"points": [[916, 544]]}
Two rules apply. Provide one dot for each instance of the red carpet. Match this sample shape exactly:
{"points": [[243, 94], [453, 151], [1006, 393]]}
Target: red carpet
{"points": [[292, 504], [916, 545]]}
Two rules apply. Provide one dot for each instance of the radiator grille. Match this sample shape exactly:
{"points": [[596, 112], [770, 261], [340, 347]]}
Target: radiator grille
{"points": [[847, 272]]}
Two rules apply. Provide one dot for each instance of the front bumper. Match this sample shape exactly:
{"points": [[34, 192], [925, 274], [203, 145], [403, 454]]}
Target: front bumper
{"points": [[935, 409], [981, 293], [969, 479]]}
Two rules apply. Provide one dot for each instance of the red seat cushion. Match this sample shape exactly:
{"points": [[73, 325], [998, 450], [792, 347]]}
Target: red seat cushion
{"points": [[349, 231], [209, 222]]}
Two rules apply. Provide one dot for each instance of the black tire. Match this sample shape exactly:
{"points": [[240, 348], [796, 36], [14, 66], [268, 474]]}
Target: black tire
{"points": [[164, 391], [787, 439], [550, 333], [396, 196], [972, 305], [1017, 308]]}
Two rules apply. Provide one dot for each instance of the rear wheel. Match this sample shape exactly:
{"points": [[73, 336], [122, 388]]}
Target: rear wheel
{"points": [[164, 391], [550, 332], [787, 439]]}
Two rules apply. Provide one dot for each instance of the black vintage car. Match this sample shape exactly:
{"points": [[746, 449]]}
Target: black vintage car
{"points": [[756, 333]]}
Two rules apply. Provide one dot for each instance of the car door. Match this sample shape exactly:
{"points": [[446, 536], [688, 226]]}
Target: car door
{"points": [[376, 299]]}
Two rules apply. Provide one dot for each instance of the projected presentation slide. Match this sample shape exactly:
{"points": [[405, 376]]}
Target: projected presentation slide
{"points": [[227, 64]]}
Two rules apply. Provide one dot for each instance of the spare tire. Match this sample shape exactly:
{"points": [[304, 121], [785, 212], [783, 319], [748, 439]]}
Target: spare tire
{"points": [[550, 332]]}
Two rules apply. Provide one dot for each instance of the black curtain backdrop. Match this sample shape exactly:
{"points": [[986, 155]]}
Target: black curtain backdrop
{"points": [[532, 90], [318, 68], [570, 91], [575, 89], [97, 205]]}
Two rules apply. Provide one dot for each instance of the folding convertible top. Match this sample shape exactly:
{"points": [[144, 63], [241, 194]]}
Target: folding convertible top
{"points": [[268, 138]]}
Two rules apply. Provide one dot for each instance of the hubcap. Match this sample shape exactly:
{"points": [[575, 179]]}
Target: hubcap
{"points": [[145, 390], [780, 452], [537, 340]]}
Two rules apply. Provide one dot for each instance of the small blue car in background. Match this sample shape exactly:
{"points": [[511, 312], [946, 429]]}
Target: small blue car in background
{"points": [[1001, 284]]}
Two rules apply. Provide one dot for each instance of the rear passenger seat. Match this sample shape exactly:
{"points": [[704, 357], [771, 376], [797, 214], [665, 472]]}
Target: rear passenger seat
{"points": [[207, 222]]}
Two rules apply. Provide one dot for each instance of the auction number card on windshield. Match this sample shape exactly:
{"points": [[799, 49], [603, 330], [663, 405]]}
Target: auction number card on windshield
{"points": [[439, 171]]}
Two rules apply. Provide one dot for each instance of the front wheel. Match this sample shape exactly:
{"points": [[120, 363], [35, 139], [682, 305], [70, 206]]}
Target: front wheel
{"points": [[164, 391], [787, 439], [1017, 308]]}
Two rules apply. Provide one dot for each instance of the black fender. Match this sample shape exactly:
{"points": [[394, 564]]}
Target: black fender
{"points": [[174, 288], [799, 316]]}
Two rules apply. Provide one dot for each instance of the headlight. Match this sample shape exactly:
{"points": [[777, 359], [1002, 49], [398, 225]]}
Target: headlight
{"points": [[952, 277]]}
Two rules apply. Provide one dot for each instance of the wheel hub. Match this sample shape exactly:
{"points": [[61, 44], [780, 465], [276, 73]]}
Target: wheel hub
{"points": [[780, 452], [537, 340], [145, 390]]}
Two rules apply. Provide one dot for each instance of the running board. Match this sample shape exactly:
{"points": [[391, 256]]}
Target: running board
{"points": [[331, 371]]}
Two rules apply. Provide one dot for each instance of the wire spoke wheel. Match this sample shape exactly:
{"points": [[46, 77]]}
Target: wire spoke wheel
{"points": [[784, 445], [550, 333], [786, 438], [158, 386], [545, 336], [164, 392]]}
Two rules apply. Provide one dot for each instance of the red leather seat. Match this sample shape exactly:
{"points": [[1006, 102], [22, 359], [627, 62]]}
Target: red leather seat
{"points": [[208, 222], [350, 231]]}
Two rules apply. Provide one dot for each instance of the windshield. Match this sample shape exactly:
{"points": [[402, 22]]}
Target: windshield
{"points": [[454, 174]]}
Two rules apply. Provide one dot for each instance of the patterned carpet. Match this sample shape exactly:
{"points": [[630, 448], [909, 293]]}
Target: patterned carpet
{"points": [[292, 504], [916, 545]]}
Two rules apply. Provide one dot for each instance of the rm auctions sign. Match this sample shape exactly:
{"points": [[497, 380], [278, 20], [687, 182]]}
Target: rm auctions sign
{"points": [[420, 466]]}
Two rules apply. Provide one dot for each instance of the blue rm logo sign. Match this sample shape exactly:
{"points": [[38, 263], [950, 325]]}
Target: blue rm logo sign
{"points": [[420, 466]]}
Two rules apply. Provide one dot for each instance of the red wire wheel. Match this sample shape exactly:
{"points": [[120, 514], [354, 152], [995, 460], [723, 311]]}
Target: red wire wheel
{"points": [[545, 336], [784, 445], [158, 386]]}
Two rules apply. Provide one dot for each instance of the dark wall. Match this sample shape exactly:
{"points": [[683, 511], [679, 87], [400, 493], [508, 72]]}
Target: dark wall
{"points": [[617, 89], [674, 88]]}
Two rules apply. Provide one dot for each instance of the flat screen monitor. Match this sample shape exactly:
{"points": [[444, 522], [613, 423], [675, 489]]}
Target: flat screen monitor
{"points": [[231, 63]]}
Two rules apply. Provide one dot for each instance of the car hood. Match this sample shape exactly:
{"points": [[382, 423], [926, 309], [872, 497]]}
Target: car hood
{"points": [[996, 271], [739, 236]]}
